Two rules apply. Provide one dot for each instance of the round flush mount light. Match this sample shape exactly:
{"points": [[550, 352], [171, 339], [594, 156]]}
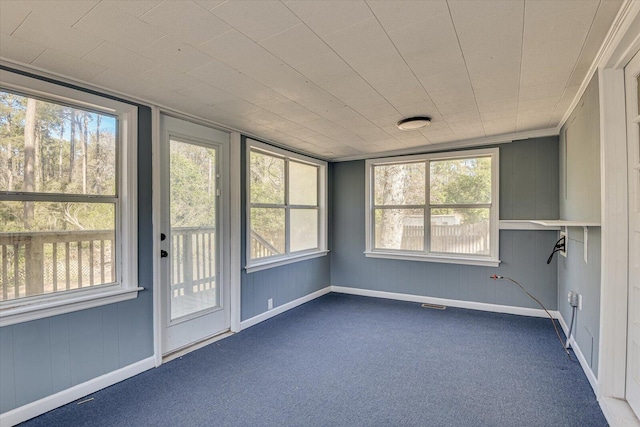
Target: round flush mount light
{"points": [[412, 123]]}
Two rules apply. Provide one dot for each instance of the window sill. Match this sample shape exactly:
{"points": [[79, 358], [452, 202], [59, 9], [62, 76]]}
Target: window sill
{"points": [[283, 261], [483, 262], [39, 308]]}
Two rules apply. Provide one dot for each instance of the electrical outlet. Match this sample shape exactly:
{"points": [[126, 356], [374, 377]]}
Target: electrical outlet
{"points": [[573, 298], [564, 234], [270, 304], [579, 302]]}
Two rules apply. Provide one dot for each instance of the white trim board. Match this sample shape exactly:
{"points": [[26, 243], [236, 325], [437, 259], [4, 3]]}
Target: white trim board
{"points": [[282, 308], [38, 407], [578, 352], [472, 305]]}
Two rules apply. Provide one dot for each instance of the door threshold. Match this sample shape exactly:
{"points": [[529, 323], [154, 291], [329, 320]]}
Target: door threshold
{"points": [[195, 346]]}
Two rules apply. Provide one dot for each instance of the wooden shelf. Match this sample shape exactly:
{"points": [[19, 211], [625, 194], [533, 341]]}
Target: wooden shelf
{"points": [[525, 224], [552, 224]]}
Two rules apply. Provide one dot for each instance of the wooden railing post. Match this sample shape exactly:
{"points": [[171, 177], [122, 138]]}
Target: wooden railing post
{"points": [[34, 277]]}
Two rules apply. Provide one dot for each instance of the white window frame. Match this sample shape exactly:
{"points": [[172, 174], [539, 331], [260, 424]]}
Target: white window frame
{"points": [[491, 260], [126, 232], [287, 257]]}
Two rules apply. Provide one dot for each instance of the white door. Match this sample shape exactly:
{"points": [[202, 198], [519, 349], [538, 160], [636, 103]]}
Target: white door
{"points": [[194, 226], [632, 83]]}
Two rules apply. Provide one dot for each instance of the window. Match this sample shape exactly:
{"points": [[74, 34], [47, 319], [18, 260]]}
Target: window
{"points": [[435, 207], [286, 207], [68, 237]]}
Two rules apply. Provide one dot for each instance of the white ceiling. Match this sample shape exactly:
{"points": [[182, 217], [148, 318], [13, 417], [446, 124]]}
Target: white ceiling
{"points": [[329, 78]]}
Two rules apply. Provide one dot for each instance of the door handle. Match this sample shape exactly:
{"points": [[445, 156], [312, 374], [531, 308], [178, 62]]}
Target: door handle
{"points": [[164, 254]]}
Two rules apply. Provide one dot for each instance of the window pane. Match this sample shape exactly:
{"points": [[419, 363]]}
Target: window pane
{"points": [[460, 231], [267, 179], [304, 229], [399, 229], [51, 247], [193, 229], [267, 232], [402, 184], [303, 184], [51, 148], [461, 181], [193, 185]]}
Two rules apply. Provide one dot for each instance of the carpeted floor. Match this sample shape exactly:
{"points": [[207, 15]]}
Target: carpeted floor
{"points": [[343, 360]]}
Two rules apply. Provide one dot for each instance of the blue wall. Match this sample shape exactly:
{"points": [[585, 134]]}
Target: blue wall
{"points": [[45, 356], [580, 200], [283, 284], [528, 190]]}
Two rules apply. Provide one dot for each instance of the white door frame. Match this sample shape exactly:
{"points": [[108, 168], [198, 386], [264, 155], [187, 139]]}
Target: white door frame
{"points": [[623, 41], [234, 199]]}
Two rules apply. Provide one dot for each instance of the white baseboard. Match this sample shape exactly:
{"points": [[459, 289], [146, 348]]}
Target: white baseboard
{"points": [[282, 308], [496, 308], [46, 404], [583, 362]]}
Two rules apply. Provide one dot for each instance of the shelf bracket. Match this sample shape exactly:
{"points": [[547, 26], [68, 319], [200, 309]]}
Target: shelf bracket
{"points": [[585, 230]]}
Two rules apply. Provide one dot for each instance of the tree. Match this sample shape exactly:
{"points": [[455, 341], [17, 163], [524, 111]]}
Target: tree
{"points": [[29, 157]]}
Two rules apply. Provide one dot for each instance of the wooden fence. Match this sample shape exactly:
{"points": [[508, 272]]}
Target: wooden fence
{"points": [[459, 238], [37, 263]]}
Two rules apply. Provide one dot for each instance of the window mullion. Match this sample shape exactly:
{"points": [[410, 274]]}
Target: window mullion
{"points": [[427, 208], [287, 210]]}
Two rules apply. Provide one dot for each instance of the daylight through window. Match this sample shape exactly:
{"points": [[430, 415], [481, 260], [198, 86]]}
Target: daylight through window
{"points": [[287, 214], [61, 188], [440, 206]]}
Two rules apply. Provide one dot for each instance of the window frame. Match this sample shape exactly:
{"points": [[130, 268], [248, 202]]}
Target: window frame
{"points": [[287, 257], [491, 260], [126, 219]]}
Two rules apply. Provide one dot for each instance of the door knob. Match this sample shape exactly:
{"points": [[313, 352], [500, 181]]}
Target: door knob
{"points": [[164, 254]]}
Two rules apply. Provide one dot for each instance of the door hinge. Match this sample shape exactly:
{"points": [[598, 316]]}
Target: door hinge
{"points": [[217, 192]]}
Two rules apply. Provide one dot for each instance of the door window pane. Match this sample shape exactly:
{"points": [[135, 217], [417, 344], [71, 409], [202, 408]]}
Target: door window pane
{"points": [[304, 229], [399, 229], [461, 181], [193, 228], [460, 230], [402, 184], [303, 184], [267, 178], [267, 232], [48, 247]]}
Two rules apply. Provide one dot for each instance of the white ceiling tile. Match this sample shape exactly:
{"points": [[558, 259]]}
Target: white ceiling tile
{"points": [[257, 19], [39, 30], [399, 14], [206, 94], [121, 60], [169, 78], [232, 81], [135, 8], [123, 83], [296, 45], [111, 23], [66, 65], [177, 54], [235, 49], [210, 4], [12, 14], [185, 20], [19, 50], [327, 17]]}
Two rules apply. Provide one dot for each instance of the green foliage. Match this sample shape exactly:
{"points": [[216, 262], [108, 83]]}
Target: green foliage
{"points": [[75, 153], [193, 186]]}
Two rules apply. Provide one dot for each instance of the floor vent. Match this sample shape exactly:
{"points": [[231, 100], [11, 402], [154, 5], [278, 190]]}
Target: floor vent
{"points": [[434, 306]]}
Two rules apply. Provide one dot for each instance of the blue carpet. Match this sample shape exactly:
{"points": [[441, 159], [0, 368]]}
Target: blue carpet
{"points": [[343, 360]]}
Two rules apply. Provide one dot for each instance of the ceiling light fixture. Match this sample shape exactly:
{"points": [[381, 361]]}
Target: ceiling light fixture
{"points": [[413, 123]]}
